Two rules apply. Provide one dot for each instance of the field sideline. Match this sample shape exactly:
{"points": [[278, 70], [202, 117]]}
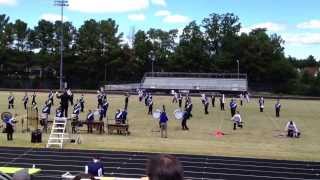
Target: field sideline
{"points": [[259, 138]]}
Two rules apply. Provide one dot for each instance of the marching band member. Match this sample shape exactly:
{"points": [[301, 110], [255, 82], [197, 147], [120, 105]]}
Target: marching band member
{"points": [[292, 130], [45, 112], [11, 101], [261, 103], [76, 108], [99, 98], [278, 107], [206, 105], [64, 102], [185, 117], [150, 106], [187, 100], [222, 102], [213, 99], [69, 92], [9, 127], [35, 107], [101, 112], [241, 99], [25, 100], [189, 108], [175, 97], [146, 99], [203, 98], [126, 101], [233, 107], [163, 124], [49, 104], [90, 119], [81, 101], [33, 98], [237, 121], [118, 116], [105, 106], [75, 116], [59, 112], [180, 99], [51, 97], [140, 95], [247, 97], [123, 117]]}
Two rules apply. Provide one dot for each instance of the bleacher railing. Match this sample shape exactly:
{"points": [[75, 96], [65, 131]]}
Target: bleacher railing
{"points": [[197, 75]]}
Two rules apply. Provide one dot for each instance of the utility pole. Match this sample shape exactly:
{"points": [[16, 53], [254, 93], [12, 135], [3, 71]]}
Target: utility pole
{"points": [[62, 4]]}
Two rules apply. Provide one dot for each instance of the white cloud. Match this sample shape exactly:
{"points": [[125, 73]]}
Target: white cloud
{"points": [[162, 13], [312, 24], [270, 26], [136, 17], [176, 18], [159, 2], [8, 2], [302, 38], [107, 6], [53, 17]]}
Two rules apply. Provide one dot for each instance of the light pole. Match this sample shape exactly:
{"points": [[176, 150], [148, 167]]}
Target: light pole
{"points": [[238, 68], [62, 4]]}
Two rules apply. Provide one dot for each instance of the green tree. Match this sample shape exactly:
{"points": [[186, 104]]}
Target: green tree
{"points": [[44, 36], [21, 32]]}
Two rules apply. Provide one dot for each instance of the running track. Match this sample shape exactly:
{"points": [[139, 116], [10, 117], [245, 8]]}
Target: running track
{"points": [[55, 162]]}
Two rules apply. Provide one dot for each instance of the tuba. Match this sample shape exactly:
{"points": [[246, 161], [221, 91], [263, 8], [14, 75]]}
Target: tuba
{"points": [[178, 114], [156, 114], [6, 115]]}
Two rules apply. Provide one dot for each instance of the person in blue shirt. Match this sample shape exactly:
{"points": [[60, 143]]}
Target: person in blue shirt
{"points": [[233, 107], [9, 127], [95, 167], [59, 113], [163, 124]]}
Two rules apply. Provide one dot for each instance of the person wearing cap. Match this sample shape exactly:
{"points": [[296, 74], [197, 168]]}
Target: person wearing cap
{"points": [[95, 167]]}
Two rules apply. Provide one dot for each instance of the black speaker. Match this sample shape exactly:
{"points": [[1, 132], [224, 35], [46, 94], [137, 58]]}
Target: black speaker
{"points": [[36, 136]]}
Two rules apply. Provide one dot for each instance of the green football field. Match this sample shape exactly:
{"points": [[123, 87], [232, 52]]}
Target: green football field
{"points": [[261, 137]]}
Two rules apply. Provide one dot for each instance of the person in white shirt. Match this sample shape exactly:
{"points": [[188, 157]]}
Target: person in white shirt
{"points": [[292, 130], [237, 121], [241, 99]]}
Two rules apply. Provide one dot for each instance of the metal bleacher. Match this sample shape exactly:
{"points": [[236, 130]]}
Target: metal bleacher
{"points": [[195, 81]]}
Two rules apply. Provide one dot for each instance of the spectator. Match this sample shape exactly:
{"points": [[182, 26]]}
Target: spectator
{"points": [[95, 167], [164, 167]]}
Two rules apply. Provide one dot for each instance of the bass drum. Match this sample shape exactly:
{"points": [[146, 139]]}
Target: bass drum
{"points": [[178, 114], [156, 114]]}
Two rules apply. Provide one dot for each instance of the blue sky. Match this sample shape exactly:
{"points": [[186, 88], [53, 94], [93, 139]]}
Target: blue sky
{"points": [[297, 21]]}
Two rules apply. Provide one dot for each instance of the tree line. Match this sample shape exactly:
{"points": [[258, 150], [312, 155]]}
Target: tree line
{"points": [[95, 52]]}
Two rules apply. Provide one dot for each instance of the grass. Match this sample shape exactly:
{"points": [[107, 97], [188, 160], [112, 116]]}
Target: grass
{"points": [[259, 138]]}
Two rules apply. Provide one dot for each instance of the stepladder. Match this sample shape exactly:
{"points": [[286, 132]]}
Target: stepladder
{"points": [[59, 134]]}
